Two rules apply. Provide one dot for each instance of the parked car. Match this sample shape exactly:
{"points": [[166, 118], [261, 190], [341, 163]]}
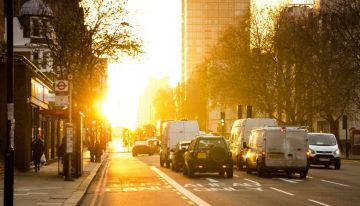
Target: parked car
{"points": [[141, 147], [208, 154], [324, 150], [278, 149], [177, 155]]}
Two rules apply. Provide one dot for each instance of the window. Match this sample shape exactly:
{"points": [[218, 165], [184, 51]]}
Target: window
{"points": [[35, 27]]}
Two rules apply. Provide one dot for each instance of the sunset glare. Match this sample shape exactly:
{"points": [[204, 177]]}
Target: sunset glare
{"points": [[160, 31]]}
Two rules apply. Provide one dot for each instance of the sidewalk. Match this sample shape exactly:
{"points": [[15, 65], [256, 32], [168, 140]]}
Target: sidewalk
{"points": [[47, 188]]}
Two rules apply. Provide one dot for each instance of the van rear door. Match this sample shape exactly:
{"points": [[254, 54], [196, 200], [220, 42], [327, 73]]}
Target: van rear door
{"points": [[286, 148], [275, 141], [296, 148]]}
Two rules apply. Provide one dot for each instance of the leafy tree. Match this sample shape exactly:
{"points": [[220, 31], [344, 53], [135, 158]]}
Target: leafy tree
{"points": [[196, 97], [85, 37]]}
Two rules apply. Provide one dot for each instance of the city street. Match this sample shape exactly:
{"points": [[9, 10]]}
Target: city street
{"points": [[127, 180]]}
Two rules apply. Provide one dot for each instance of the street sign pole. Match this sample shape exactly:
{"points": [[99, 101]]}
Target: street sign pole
{"points": [[9, 142], [69, 140]]}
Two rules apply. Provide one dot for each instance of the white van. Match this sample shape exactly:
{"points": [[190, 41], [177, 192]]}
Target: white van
{"points": [[173, 132], [274, 149], [324, 150], [239, 137]]}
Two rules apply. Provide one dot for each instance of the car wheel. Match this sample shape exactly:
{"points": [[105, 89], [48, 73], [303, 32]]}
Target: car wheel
{"points": [[134, 154], [230, 173], [161, 162], [167, 164], [327, 166], [190, 172], [172, 166], [221, 173], [185, 170], [248, 169], [303, 173], [337, 165], [260, 171], [177, 168]]}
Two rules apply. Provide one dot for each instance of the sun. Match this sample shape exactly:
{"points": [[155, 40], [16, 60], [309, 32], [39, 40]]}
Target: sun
{"points": [[161, 58]]}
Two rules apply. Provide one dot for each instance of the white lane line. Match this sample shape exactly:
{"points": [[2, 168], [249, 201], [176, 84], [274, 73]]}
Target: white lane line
{"points": [[336, 183], [256, 183], [184, 191], [288, 193], [211, 180], [317, 202], [31, 193], [48, 203], [309, 176], [286, 180]]}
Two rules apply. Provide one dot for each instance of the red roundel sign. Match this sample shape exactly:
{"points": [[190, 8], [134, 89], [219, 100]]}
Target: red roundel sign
{"points": [[61, 85]]}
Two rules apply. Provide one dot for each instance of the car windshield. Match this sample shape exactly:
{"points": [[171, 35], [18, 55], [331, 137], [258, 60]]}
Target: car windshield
{"points": [[322, 140], [211, 142]]}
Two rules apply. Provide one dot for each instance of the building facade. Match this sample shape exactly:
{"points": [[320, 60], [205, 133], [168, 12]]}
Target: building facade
{"points": [[204, 22]]}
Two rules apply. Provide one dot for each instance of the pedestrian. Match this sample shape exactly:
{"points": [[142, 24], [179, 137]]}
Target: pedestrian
{"points": [[98, 151], [37, 146], [92, 151]]}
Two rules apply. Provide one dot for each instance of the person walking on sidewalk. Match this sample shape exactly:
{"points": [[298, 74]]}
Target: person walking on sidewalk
{"points": [[37, 147]]}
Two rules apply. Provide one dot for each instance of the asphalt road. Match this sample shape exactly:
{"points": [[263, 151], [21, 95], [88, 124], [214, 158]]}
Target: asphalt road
{"points": [[127, 180]]}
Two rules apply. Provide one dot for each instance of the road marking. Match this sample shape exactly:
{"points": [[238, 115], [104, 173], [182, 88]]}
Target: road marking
{"points": [[309, 176], [235, 175], [336, 183], [320, 203], [184, 191], [36, 188], [288, 193], [31, 193], [286, 180], [256, 183], [49, 203], [211, 180]]}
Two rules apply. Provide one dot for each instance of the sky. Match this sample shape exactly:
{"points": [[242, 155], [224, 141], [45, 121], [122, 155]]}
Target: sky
{"points": [[160, 31], [158, 24]]}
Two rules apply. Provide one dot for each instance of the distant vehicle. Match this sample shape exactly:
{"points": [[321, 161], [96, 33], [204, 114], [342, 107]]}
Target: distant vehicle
{"points": [[239, 137], [278, 149], [173, 132], [141, 147], [177, 155], [208, 154], [154, 145], [324, 150]]}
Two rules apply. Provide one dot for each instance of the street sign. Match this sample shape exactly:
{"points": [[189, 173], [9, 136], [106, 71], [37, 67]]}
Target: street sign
{"points": [[61, 100], [61, 85]]}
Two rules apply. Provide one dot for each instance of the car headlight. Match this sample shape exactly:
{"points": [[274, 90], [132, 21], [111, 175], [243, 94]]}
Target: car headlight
{"points": [[312, 151], [337, 152]]}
